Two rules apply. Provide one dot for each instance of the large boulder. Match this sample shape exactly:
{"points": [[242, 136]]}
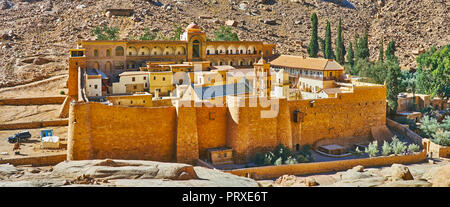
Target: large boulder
{"points": [[441, 177], [400, 172], [7, 170], [128, 173], [123, 169]]}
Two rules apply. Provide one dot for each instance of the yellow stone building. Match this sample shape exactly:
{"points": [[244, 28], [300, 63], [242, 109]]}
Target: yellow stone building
{"points": [[310, 74], [115, 57]]}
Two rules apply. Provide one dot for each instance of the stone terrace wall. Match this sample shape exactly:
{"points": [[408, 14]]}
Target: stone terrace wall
{"points": [[269, 172], [33, 124], [36, 160], [33, 101], [404, 131], [97, 131]]}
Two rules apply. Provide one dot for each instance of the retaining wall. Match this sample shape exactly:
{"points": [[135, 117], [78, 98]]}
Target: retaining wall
{"points": [[33, 101], [36, 160], [269, 172], [34, 124], [404, 131]]}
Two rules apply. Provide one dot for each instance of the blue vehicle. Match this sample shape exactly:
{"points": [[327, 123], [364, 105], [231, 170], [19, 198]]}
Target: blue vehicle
{"points": [[21, 135]]}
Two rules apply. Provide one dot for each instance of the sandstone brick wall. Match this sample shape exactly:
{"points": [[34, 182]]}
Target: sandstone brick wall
{"points": [[183, 134], [187, 135], [349, 114], [211, 128], [98, 131]]}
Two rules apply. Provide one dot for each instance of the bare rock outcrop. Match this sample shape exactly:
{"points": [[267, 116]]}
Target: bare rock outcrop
{"points": [[441, 177]]}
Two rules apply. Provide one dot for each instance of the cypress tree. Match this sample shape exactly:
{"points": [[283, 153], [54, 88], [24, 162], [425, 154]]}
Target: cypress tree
{"points": [[340, 48], [350, 55], [380, 56], [329, 54], [393, 84], [362, 49], [313, 47], [390, 51], [322, 46]]}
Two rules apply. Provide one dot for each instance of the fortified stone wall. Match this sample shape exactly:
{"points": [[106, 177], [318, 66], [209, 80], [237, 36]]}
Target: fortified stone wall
{"points": [[98, 131], [349, 114]]}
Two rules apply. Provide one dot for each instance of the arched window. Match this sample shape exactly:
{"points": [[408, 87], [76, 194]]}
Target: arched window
{"points": [[119, 51], [108, 53], [196, 49], [96, 53]]}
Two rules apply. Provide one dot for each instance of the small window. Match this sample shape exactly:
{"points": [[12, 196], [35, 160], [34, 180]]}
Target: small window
{"points": [[95, 86], [96, 53], [119, 51], [108, 53], [143, 101], [133, 79], [154, 77], [131, 102], [224, 154], [134, 87], [145, 78], [118, 103], [90, 86], [164, 78], [142, 53]]}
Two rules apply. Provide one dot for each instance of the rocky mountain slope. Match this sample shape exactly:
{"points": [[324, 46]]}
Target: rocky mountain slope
{"points": [[35, 35]]}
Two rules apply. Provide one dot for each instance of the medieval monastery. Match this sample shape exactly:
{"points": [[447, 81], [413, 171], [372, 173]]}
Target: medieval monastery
{"points": [[190, 99]]}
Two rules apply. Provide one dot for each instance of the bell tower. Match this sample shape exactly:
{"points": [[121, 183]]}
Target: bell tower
{"points": [[262, 83], [77, 60], [196, 42]]}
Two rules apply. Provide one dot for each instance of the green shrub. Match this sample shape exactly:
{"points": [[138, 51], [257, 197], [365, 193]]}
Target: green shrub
{"points": [[306, 154], [283, 155], [258, 159], [372, 149], [62, 92], [105, 33], [441, 137], [291, 160], [428, 126], [278, 161], [398, 147], [268, 157], [356, 152], [413, 148], [446, 123], [386, 149]]}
